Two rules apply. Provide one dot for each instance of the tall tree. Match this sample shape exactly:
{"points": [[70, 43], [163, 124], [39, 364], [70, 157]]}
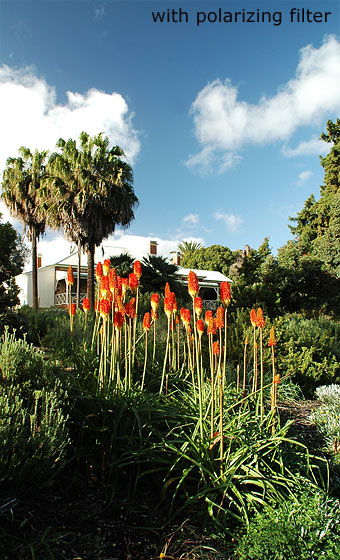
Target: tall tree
{"points": [[92, 192], [12, 257], [21, 183]]}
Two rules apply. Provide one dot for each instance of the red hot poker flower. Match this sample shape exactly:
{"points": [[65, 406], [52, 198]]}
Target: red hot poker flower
{"points": [[225, 293], [154, 302], [133, 282], [211, 327], [220, 318], [125, 284], [168, 305], [104, 308], [154, 315], [86, 304], [200, 327], [253, 317], [167, 289], [198, 306], [216, 348], [147, 322], [72, 309], [70, 277], [99, 272], [137, 269], [208, 316], [106, 267], [118, 320], [272, 339], [113, 279], [186, 317], [193, 287], [104, 287], [260, 321]]}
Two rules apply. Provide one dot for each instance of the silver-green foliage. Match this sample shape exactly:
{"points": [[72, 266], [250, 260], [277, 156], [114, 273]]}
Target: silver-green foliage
{"points": [[329, 394], [33, 424]]}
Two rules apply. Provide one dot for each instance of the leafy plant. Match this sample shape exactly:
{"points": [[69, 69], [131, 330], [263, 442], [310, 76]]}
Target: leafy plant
{"points": [[297, 529]]}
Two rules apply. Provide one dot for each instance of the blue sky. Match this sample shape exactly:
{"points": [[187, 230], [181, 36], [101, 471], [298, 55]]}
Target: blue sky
{"points": [[220, 121]]}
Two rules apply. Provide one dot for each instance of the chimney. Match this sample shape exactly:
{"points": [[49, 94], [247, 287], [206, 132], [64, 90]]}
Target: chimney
{"points": [[153, 248], [176, 259], [247, 250], [39, 261]]}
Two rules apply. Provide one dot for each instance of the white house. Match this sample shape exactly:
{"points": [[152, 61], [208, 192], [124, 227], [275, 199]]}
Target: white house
{"points": [[52, 279]]}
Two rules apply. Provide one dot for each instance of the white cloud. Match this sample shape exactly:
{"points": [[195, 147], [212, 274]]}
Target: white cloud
{"points": [[99, 12], [191, 219], [314, 146], [30, 115], [304, 176], [232, 221], [224, 123], [208, 160]]}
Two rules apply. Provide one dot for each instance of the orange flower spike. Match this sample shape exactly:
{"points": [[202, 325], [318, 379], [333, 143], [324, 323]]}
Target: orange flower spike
{"points": [[154, 302], [174, 303], [276, 379], [168, 306], [272, 339], [208, 316], [113, 279], [104, 308], [193, 287], [210, 327], [70, 277], [72, 309], [260, 321], [177, 319], [220, 318], [137, 269], [198, 306], [225, 293], [96, 305], [133, 282], [118, 321], [133, 308], [167, 290], [125, 285], [99, 272], [253, 318], [119, 288], [104, 289], [186, 317], [200, 327], [154, 315], [216, 348], [106, 267], [86, 304], [147, 322]]}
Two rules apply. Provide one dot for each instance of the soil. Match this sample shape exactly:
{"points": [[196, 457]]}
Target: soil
{"points": [[82, 520]]}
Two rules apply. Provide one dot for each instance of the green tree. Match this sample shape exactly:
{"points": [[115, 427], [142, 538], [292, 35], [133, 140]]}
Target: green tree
{"points": [[21, 186], [156, 271], [12, 257], [215, 257], [123, 263], [91, 188], [188, 247]]}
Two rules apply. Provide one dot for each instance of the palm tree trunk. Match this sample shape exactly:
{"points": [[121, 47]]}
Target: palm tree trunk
{"points": [[34, 270], [90, 273], [78, 276]]}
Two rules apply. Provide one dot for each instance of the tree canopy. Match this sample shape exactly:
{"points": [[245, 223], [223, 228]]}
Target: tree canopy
{"points": [[12, 257]]}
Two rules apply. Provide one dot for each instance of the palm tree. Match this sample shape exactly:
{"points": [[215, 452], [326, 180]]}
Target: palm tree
{"points": [[186, 247], [156, 272], [123, 263], [21, 183], [92, 192]]}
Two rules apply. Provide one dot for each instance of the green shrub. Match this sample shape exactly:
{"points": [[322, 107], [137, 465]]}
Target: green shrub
{"points": [[33, 434], [309, 528]]}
